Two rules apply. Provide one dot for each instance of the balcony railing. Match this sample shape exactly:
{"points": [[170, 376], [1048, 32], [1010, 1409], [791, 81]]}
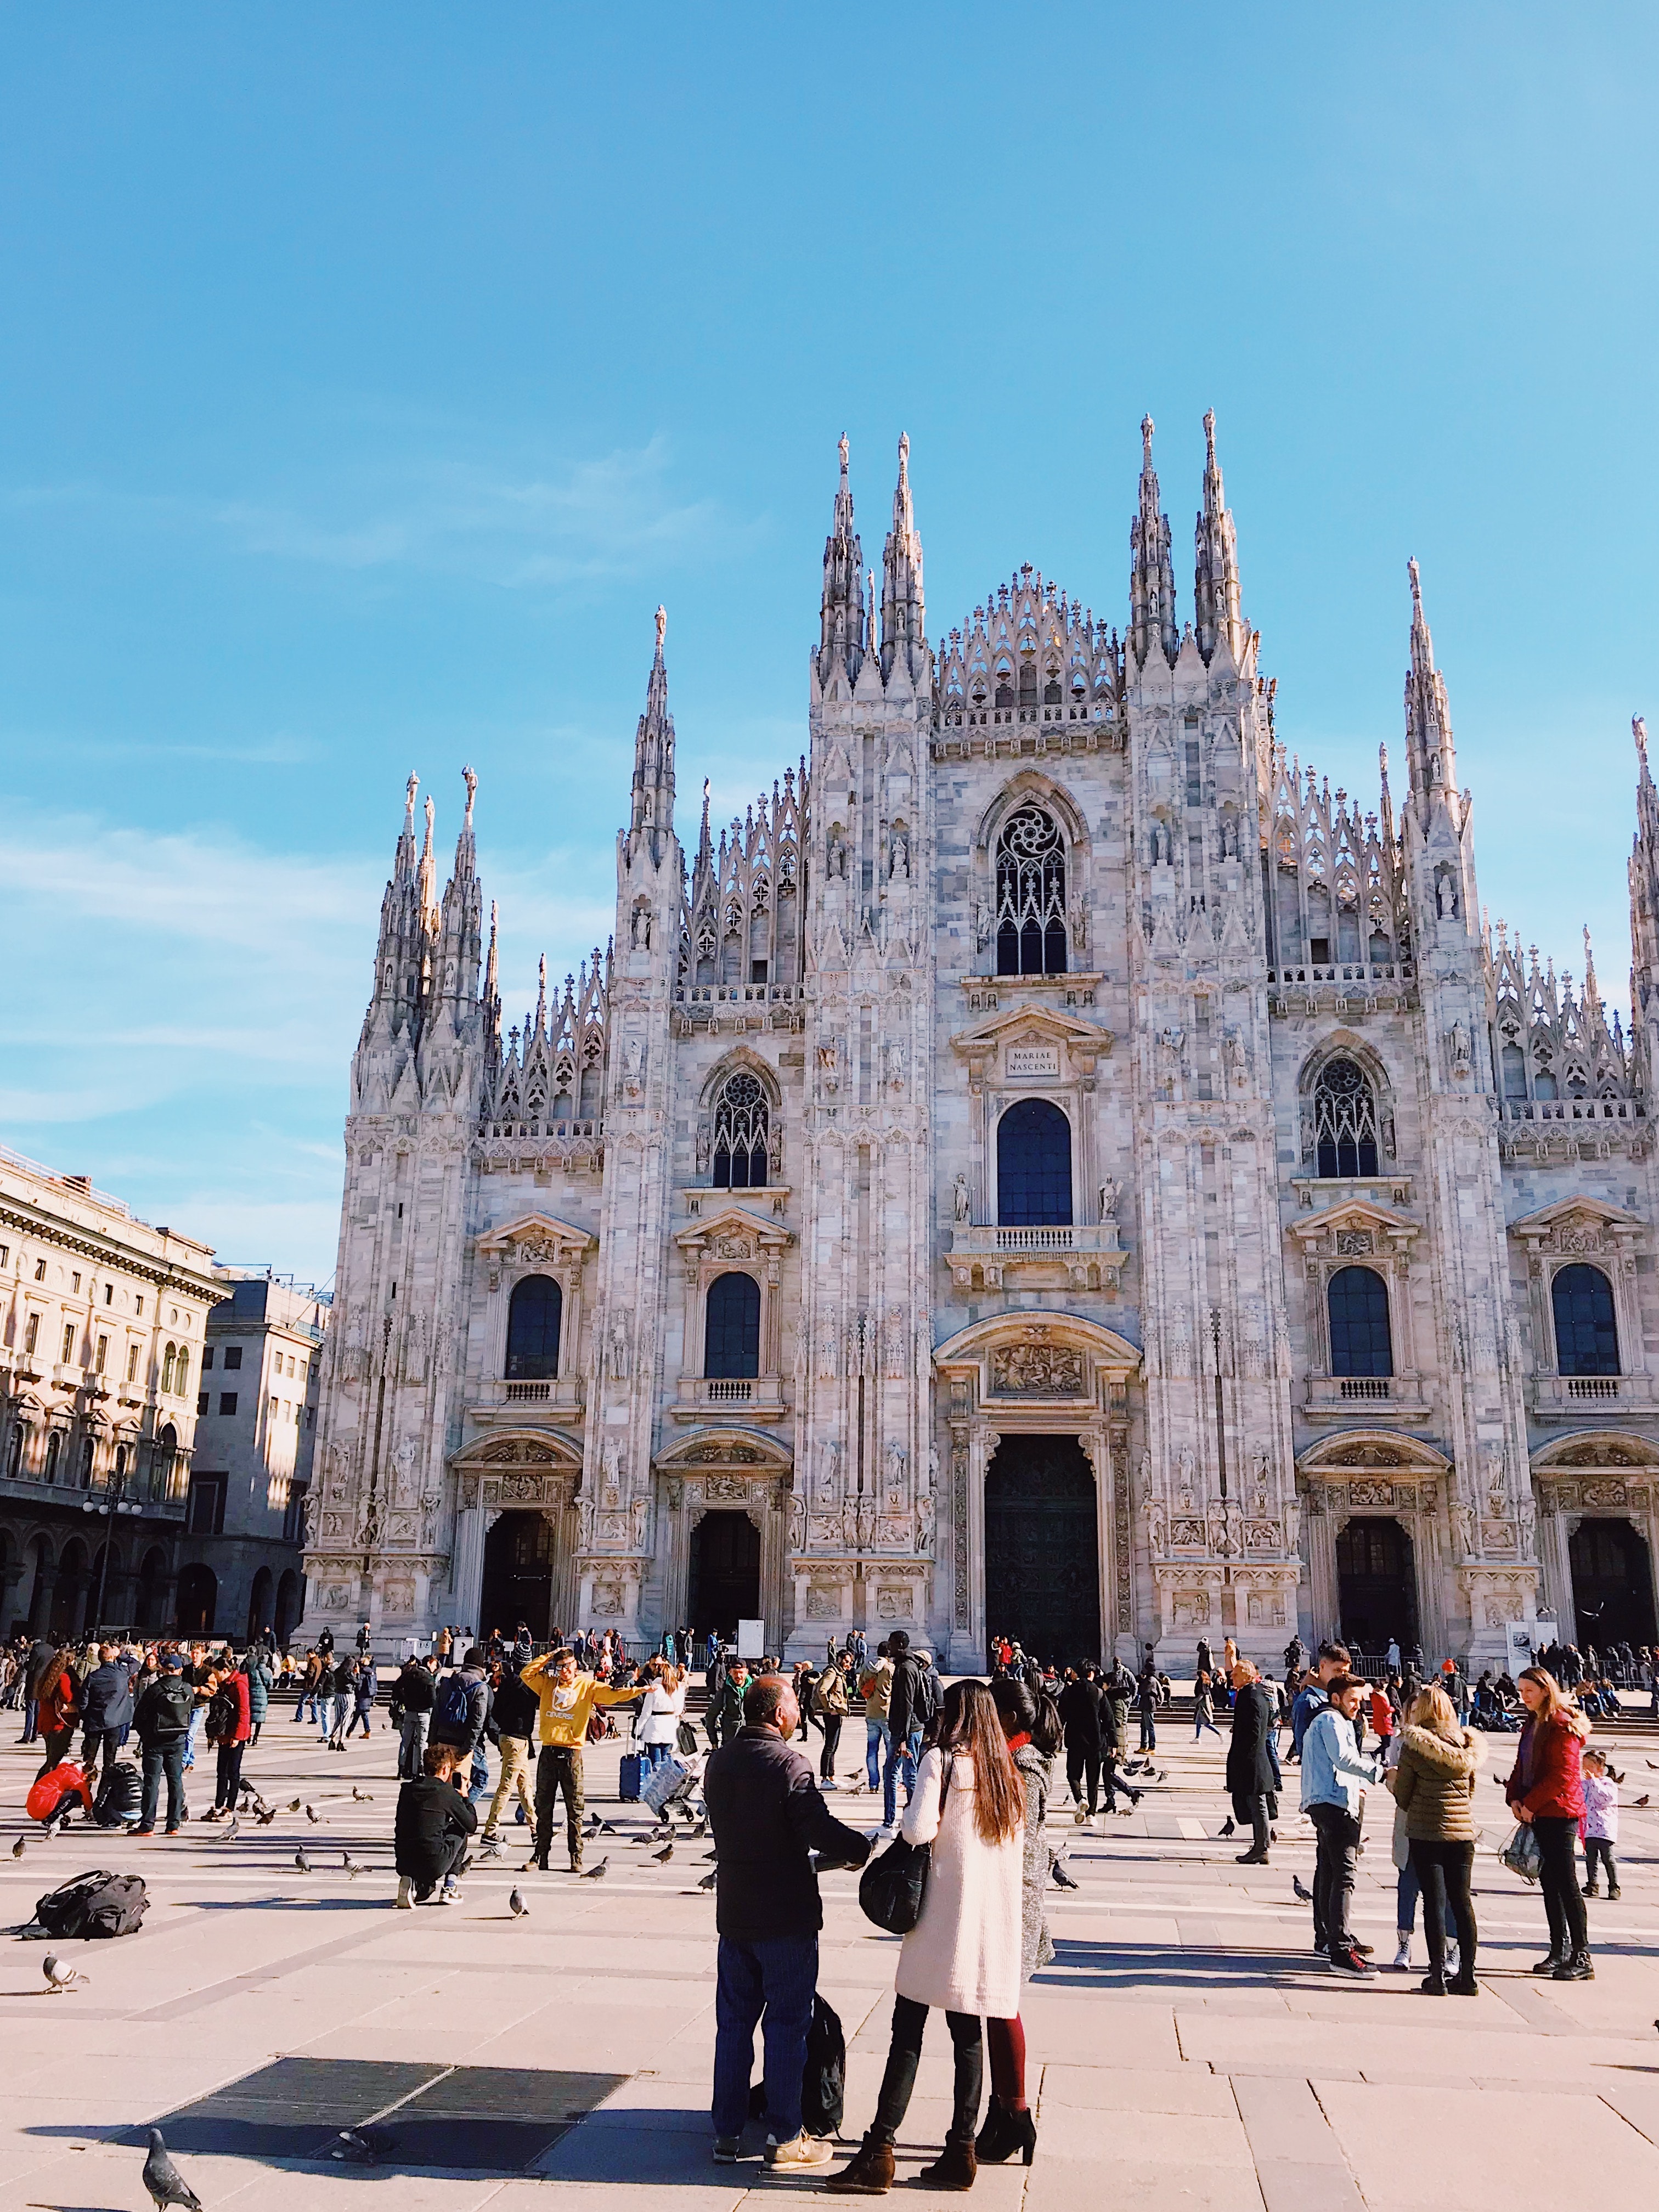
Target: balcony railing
{"points": [[1345, 1394], [561, 1396], [757, 1397], [1569, 1397], [1574, 1109]]}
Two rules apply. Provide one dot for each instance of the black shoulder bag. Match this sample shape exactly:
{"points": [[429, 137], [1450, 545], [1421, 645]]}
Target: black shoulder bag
{"points": [[892, 1887]]}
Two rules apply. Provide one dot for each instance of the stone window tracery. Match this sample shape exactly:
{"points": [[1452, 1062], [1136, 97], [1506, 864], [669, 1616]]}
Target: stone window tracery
{"points": [[1344, 1122], [742, 1132], [1030, 894]]}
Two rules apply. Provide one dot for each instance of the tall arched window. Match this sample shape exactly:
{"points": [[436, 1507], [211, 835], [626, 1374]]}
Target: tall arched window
{"points": [[742, 1125], [181, 1373], [1515, 1072], [168, 1358], [732, 1330], [1344, 1120], [1034, 1165], [1031, 895], [533, 1320], [15, 1453], [54, 1445], [1586, 1333], [1357, 1301]]}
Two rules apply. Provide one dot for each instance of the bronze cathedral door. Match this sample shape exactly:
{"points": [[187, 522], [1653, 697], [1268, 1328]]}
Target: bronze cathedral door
{"points": [[1042, 1548]]}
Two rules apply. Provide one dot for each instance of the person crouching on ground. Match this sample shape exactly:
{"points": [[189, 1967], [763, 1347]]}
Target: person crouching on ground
{"points": [[434, 1820], [765, 1812], [963, 1953]]}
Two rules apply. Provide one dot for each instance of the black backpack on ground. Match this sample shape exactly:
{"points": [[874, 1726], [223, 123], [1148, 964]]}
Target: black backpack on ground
{"points": [[96, 1903], [823, 2079]]}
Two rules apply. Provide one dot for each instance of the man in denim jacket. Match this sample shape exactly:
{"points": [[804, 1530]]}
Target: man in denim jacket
{"points": [[1333, 1773]]}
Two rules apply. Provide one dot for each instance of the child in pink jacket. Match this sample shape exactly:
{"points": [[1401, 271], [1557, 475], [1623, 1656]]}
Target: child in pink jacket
{"points": [[1599, 1827]]}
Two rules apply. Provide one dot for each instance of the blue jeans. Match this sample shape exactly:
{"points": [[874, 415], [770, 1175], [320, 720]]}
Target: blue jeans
{"points": [[1407, 1892], [772, 1983], [878, 1737], [900, 1756]]}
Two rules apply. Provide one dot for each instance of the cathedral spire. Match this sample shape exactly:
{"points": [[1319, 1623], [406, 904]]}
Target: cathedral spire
{"points": [[652, 816], [458, 922], [903, 614], [841, 642], [1216, 580], [1152, 578], [1428, 715]]}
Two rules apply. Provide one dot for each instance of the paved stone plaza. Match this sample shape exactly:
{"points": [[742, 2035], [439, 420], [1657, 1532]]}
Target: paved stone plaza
{"points": [[1186, 2050]]}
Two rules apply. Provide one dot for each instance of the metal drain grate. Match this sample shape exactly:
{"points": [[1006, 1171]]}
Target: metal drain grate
{"points": [[491, 2119]]}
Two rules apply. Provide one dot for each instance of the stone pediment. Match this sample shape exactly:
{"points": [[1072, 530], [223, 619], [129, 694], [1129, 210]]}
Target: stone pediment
{"points": [[1371, 1451], [1578, 1225], [542, 1448], [744, 1447], [537, 1237], [1028, 1357], [1354, 1227], [1597, 1448], [1031, 1041], [733, 1226]]}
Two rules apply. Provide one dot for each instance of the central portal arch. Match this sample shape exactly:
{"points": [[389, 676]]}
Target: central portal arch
{"points": [[1376, 1584], [724, 1581], [1042, 1548], [518, 1576]]}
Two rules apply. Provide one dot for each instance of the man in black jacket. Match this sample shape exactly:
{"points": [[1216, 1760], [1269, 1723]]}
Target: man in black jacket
{"points": [[766, 1813], [106, 1710], [162, 1724], [433, 1822], [905, 1721], [1080, 1718], [411, 1705], [1250, 1779]]}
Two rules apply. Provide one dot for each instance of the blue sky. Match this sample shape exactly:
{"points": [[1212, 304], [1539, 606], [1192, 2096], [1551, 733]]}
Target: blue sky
{"points": [[368, 376]]}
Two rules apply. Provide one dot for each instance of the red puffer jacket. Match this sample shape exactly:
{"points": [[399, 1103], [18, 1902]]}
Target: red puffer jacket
{"points": [[1549, 1755]]}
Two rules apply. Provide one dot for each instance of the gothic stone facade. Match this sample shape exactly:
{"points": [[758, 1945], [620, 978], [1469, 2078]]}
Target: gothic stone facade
{"points": [[1051, 1117]]}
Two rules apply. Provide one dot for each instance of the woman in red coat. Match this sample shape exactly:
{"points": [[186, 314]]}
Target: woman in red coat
{"points": [[229, 1725], [1546, 1790]]}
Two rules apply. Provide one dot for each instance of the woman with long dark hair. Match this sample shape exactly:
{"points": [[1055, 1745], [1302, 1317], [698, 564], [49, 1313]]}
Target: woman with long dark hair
{"points": [[56, 1691], [1547, 1791], [962, 1956], [1032, 1727]]}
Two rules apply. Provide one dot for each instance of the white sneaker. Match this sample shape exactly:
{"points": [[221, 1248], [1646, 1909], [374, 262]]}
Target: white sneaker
{"points": [[1402, 1957], [804, 2151], [829, 1785], [1451, 1958], [448, 1896], [406, 1898]]}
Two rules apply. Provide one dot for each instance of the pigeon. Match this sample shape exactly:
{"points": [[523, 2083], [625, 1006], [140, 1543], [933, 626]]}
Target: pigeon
{"points": [[1061, 1880], [294, 1805], [20, 1847], [363, 1797], [364, 2146], [1643, 1799], [1227, 1826], [516, 1904], [1305, 1895], [1654, 1764], [353, 1867], [312, 1814], [666, 1853], [606, 1828], [710, 1855], [58, 1978], [597, 1873], [301, 1861], [266, 1817], [712, 1876], [228, 1835], [162, 2178], [594, 1825], [702, 1828]]}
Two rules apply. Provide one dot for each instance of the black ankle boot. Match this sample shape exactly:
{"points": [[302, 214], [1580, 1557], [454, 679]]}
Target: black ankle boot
{"points": [[1576, 1968], [1548, 1966], [1004, 2132]]}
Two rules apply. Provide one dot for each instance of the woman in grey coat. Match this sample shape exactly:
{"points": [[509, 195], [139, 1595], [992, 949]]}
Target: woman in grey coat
{"points": [[1032, 1728]]}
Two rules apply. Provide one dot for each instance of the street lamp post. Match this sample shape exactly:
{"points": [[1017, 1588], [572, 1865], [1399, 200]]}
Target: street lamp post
{"points": [[117, 1501]]}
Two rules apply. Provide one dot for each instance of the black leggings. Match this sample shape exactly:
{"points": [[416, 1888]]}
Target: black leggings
{"points": [[903, 2056], [1598, 1853], [1442, 1873], [831, 1723], [1557, 1877], [1083, 1770], [229, 1777]]}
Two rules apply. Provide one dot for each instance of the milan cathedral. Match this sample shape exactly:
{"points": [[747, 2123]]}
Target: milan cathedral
{"points": [[1054, 1166]]}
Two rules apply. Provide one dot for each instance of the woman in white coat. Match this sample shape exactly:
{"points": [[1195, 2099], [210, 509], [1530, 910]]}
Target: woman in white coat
{"points": [[660, 1715], [963, 1955]]}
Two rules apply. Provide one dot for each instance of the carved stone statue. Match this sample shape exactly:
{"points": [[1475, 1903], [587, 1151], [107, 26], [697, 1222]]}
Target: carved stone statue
{"points": [[610, 1471], [1186, 1478], [962, 1198], [835, 857], [618, 1353], [1110, 1191]]}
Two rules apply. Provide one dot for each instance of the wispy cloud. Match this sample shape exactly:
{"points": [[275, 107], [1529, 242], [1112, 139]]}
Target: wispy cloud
{"points": [[516, 527]]}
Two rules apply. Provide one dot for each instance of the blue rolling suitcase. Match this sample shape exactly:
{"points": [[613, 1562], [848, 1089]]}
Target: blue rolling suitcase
{"points": [[628, 1778]]}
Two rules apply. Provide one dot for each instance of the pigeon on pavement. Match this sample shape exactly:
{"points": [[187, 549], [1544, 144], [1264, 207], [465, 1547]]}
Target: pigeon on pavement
{"points": [[294, 1805], [301, 1861], [266, 1817], [162, 2178], [312, 1814], [363, 1797], [712, 1876], [1643, 1799], [666, 1853], [1227, 1826], [1061, 1878], [597, 1873], [353, 1867], [59, 1978], [20, 1847], [516, 1904], [1305, 1895]]}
